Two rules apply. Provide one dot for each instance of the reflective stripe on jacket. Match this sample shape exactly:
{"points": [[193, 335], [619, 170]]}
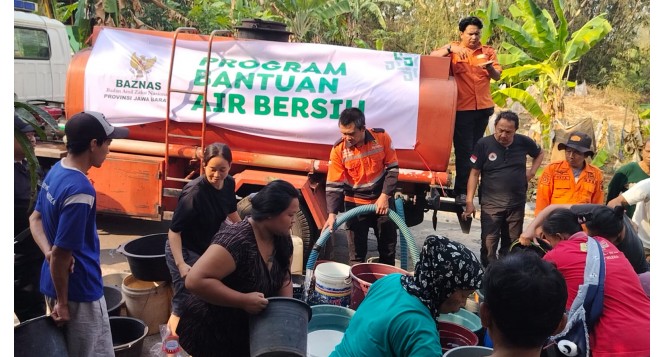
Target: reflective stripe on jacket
{"points": [[557, 185], [360, 175]]}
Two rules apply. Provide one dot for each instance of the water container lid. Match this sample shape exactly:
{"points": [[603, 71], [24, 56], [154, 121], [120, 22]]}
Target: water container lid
{"points": [[332, 270]]}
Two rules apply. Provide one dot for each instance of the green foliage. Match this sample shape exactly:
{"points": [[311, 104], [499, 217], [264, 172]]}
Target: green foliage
{"points": [[542, 54], [644, 116], [210, 15], [36, 117], [601, 158]]}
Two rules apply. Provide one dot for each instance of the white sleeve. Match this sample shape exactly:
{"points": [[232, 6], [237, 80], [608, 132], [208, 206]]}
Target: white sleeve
{"points": [[637, 193]]}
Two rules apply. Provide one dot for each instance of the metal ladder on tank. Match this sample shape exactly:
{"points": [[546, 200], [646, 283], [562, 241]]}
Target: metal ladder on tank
{"points": [[200, 140]]}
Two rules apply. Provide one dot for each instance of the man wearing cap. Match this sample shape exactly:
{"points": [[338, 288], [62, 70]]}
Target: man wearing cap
{"points": [[28, 301], [572, 180], [64, 226]]}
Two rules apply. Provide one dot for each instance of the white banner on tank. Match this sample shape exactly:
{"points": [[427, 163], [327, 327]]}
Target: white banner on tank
{"points": [[284, 91]]}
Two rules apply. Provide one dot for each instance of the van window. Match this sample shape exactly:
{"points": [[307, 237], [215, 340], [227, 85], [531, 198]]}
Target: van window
{"points": [[31, 44]]}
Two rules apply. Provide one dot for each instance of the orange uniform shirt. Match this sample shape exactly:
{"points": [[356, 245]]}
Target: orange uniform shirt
{"points": [[360, 175], [473, 82], [557, 185]]}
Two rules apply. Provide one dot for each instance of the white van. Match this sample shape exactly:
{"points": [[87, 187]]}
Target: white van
{"points": [[41, 57]]}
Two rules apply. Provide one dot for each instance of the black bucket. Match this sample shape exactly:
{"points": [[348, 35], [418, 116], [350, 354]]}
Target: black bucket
{"points": [[128, 336], [39, 337], [147, 257], [280, 329], [257, 29], [114, 300]]}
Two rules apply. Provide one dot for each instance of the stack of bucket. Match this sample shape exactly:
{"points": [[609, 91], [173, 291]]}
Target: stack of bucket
{"points": [[149, 301], [147, 290], [128, 332]]}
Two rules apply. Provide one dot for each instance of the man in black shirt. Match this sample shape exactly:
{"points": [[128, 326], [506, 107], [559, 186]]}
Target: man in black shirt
{"points": [[500, 159]]}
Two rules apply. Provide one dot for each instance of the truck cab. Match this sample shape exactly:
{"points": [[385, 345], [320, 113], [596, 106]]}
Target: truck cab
{"points": [[41, 58]]}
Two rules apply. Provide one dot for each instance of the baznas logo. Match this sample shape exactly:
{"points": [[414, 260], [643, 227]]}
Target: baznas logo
{"points": [[141, 66]]}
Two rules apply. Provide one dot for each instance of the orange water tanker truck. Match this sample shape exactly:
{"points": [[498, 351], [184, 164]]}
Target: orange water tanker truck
{"points": [[275, 103]]}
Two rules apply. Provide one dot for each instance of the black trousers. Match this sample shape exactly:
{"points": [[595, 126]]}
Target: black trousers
{"points": [[469, 127], [502, 226], [384, 229]]}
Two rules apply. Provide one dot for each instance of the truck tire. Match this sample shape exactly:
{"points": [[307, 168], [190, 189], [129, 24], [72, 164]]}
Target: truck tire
{"points": [[303, 227]]}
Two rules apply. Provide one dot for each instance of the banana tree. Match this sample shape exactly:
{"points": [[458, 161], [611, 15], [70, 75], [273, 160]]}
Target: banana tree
{"points": [[361, 8], [542, 55], [303, 17], [37, 118]]}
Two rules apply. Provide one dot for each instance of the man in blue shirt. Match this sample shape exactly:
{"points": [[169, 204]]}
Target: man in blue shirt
{"points": [[64, 227]]}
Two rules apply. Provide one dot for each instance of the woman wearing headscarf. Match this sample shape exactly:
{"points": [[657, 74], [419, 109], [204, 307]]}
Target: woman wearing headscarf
{"points": [[398, 315]]}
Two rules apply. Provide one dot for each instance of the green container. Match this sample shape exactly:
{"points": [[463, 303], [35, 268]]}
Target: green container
{"points": [[326, 328], [463, 318]]}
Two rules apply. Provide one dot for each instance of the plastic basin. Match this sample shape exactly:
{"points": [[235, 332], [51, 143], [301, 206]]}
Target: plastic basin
{"points": [[453, 335], [463, 318]]}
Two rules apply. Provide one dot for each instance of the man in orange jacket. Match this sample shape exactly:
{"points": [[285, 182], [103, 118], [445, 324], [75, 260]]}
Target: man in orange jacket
{"points": [[474, 65], [363, 170], [572, 180]]}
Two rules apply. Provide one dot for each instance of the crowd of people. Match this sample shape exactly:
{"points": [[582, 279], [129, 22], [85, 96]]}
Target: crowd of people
{"points": [[225, 268]]}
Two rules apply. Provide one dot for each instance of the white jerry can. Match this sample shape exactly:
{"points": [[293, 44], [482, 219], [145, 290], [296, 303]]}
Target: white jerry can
{"points": [[298, 252]]}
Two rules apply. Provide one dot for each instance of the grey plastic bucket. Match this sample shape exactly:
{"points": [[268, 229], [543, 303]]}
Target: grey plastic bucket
{"points": [[280, 329], [39, 337]]}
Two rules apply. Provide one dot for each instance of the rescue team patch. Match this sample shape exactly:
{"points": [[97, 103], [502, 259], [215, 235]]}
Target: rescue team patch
{"points": [[473, 158], [493, 156]]}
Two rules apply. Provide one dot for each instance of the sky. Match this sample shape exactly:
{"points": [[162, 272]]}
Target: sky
{"points": [[657, 147]]}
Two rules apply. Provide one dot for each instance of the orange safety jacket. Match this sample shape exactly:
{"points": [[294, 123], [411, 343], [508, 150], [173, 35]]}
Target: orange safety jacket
{"points": [[361, 174], [473, 82], [557, 185]]}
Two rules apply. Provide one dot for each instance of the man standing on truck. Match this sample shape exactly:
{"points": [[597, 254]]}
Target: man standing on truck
{"points": [[363, 170], [501, 161], [64, 227], [473, 67]]}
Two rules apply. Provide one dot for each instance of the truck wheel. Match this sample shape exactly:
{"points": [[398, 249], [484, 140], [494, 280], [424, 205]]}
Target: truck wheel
{"points": [[303, 227]]}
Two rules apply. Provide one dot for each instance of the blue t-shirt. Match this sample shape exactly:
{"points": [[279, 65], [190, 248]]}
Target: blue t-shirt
{"points": [[390, 322], [68, 207]]}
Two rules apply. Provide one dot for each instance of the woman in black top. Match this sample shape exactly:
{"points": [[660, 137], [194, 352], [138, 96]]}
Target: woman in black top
{"points": [[246, 263], [204, 204]]}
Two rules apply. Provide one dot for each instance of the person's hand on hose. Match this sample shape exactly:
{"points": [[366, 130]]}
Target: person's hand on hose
{"points": [[329, 223], [382, 204]]}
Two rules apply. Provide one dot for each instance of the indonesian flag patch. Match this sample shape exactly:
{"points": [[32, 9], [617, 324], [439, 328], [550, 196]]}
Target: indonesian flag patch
{"points": [[473, 158]]}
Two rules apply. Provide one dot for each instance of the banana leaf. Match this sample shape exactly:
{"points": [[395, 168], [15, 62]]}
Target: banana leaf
{"points": [[523, 39], [562, 28], [586, 37], [514, 56], [537, 22], [519, 95]]}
